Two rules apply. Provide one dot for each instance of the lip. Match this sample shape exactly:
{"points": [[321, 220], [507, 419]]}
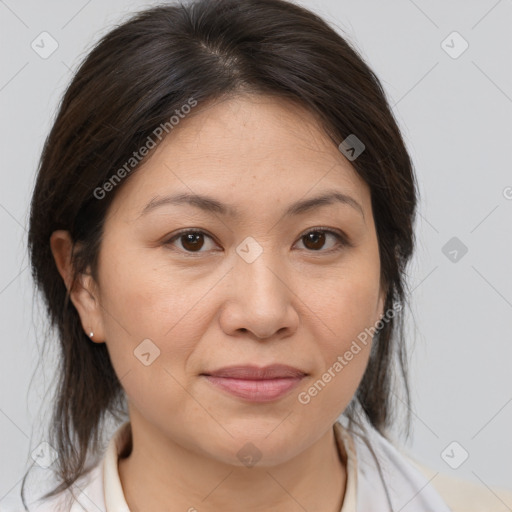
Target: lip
{"points": [[256, 384]]}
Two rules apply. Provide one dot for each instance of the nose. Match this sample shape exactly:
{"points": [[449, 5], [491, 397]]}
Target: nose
{"points": [[259, 300]]}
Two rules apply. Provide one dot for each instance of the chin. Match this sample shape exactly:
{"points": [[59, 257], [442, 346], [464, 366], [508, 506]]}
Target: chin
{"points": [[256, 443]]}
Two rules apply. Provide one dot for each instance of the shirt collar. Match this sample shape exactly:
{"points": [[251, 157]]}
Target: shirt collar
{"points": [[114, 495]]}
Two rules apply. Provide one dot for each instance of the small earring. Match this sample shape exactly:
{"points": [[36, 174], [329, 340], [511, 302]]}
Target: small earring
{"points": [[91, 334]]}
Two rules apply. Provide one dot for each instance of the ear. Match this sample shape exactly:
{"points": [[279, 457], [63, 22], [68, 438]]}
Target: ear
{"points": [[83, 292], [381, 303]]}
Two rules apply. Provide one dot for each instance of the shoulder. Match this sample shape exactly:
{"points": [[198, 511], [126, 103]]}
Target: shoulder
{"points": [[59, 503], [88, 493], [384, 476], [403, 475], [465, 496], [85, 495]]}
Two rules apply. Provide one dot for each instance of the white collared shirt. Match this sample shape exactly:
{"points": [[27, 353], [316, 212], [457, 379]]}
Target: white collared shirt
{"points": [[395, 482]]}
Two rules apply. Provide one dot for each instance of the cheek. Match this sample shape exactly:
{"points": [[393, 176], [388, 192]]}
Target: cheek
{"points": [[346, 305], [148, 298], [325, 395], [149, 316], [345, 315], [151, 331]]}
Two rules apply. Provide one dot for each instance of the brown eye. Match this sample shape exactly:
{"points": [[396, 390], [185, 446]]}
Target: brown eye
{"points": [[191, 241], [315, 240]]}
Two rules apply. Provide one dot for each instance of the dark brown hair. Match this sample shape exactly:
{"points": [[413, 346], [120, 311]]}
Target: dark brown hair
{"points": [[131, 82]]}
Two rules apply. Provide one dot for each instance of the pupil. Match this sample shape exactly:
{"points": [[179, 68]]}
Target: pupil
{"points": [[193, 239], [317, 239]]}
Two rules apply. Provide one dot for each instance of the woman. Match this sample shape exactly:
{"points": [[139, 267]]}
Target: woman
{"points": [[220, 227]]}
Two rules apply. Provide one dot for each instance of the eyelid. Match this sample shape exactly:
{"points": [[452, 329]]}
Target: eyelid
{"points": [[169, 241], [340, 235], [342, 238]]}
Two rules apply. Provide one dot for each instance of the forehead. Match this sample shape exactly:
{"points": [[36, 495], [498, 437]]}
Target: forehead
{"points": [[249, 150]]}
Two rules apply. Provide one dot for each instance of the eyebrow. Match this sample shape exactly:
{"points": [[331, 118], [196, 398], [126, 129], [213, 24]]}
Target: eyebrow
{"points": [[211, 205]]}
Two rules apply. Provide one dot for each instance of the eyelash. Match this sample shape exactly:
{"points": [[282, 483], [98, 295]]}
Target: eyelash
{"points": [[341, 239]]}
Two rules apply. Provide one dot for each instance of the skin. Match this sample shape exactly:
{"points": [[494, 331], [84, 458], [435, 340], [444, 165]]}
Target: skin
{"points": [[211, 308]]}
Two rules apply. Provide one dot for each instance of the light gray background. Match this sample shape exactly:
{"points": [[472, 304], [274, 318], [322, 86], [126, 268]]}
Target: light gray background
{"points": [[455, 114]]}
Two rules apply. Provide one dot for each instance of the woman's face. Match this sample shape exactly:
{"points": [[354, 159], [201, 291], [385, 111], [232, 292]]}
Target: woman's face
{"points": [[248, 288]]}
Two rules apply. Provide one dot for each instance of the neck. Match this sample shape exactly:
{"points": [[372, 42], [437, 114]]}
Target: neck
{"points": [[159, 471]]}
